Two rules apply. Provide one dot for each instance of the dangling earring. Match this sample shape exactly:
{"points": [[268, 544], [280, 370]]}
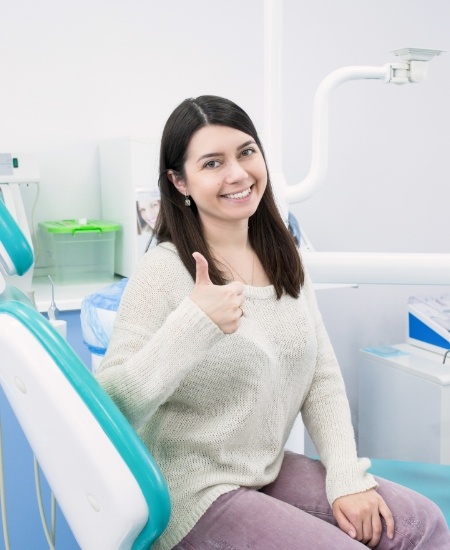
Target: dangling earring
{"points": [[187, 200]]}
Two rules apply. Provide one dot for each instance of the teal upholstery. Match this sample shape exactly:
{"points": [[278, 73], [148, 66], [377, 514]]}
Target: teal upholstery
{"points": [[14, 242], [124, 438], [431, 480]]}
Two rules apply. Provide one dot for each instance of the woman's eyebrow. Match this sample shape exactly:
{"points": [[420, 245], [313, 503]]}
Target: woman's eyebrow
{"points": [[209, 155], [246, 144]]}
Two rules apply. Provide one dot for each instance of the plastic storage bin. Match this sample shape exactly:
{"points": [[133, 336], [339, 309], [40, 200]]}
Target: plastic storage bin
{"points": [[78, 252]]}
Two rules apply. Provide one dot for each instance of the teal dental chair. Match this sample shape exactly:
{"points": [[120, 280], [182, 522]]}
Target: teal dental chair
{"points": [[105, 481]]}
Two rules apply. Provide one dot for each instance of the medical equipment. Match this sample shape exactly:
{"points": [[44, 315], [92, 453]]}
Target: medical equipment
{"points": [[413, 69], [338, 268], [53, 311], [429, 323], [342, 267], [107, 484], [53, 314]]}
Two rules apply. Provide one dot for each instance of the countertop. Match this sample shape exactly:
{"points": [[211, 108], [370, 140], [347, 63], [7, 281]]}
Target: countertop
{"points": [[67, 296]]}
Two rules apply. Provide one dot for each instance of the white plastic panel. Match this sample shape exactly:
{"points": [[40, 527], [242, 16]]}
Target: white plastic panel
{"points": [[96, 491]]}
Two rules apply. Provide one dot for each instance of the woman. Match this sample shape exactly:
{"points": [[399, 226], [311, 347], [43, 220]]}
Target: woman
{"points": [[218, 345], [147, 208]]}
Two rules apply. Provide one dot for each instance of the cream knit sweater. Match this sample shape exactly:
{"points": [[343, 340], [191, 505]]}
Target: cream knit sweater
{"points": [[215, 410]]}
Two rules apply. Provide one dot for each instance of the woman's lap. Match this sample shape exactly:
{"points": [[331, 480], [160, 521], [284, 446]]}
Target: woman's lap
{"points": [[286, 515], [250, 520]]}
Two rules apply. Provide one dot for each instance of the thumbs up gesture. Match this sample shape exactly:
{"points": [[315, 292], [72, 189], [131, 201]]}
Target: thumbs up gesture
{"points": [[222, 304]]}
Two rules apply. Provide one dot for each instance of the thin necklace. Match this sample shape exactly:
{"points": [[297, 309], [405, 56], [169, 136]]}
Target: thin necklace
{"points": [[233, 270]]}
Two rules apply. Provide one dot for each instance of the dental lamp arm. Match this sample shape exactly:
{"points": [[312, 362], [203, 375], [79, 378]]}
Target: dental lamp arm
{"points": [[319, 158], [363, 268], [397, 73], [413, 68], [378, 268]]}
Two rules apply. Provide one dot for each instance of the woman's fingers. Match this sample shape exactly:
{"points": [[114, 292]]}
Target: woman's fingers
{"points": [[222, 303]]}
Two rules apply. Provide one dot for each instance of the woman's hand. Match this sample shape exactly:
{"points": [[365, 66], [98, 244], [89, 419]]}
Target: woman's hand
{"points": [[222, 304], [359, 516]]}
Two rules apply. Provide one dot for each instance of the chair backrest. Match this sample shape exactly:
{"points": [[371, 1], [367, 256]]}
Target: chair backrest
{"points": [[107, 484]]}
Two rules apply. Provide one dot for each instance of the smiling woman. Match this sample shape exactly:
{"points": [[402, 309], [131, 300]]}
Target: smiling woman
{"points": [[226, 187], [212, 155], [218, 345]]}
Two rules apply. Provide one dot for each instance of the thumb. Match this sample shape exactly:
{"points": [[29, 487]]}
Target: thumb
{"points": [[201, 271]]}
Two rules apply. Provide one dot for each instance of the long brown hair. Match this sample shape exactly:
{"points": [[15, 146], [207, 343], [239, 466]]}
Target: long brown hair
{"points": [[180, 224]]}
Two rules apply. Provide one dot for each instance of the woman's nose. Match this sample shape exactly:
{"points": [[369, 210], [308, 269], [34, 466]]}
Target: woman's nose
{"points": [[234, 172]]}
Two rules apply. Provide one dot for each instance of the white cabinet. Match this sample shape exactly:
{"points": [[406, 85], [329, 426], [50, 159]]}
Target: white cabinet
{"points": [[128, 169], [404, 405]]}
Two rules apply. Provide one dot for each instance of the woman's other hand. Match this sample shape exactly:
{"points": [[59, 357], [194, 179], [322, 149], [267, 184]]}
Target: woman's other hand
{"points": [[222, 303], [359, 516]]}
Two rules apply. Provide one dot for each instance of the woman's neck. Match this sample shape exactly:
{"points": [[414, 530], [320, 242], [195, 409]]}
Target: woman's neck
{"points": [[231, 238], [231, 248]]}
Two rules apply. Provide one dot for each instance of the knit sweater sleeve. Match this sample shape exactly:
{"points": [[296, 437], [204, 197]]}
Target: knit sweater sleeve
{"points": [[326, 415], [159, 336]]}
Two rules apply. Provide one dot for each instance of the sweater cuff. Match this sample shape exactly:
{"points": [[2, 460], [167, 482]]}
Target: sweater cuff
{"points": [[340, 483], [195, 319]]}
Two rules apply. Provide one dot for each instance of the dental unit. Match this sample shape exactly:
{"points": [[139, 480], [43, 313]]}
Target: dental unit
{"points": [[340, 267]]}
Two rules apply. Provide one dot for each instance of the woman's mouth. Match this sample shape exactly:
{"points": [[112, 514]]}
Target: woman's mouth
{"points": [[241, 195]]}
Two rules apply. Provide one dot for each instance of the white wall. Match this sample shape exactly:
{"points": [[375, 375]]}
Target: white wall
{"points": [[74, 73]]}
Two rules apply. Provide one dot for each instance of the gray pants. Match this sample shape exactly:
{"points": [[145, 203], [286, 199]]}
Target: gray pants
{"points": [[292, 513]]}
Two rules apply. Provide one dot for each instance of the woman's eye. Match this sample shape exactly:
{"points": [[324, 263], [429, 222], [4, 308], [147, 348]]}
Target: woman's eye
{"points": [[247, 152], [212, 164]]}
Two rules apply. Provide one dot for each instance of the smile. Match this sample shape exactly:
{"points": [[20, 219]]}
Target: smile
{"points": [[241, 195]]}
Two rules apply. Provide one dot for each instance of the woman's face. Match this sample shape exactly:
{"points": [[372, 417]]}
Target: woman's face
{"points": [[149, 211], [225, 174]]}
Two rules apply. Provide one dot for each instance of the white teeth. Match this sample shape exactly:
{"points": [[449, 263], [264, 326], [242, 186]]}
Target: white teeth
{"points": [[241, 195]]}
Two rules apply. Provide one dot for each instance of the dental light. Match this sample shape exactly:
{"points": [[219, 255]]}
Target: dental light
{"points": [[340, 267], [416, 67]]}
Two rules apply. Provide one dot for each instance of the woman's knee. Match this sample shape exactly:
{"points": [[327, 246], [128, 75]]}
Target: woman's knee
{"points": [[418, 520]]}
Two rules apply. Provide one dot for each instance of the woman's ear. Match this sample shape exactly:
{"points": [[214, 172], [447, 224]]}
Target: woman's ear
{"points": [[177, 180]]}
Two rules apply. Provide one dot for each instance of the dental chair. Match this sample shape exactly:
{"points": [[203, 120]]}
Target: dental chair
{"points": [[107, 484]]}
